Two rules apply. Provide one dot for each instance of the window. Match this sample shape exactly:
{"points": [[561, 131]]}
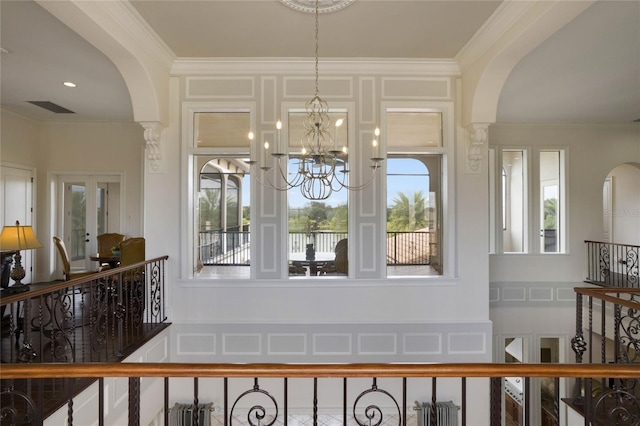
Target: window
{"points": [[414, 231], [551, 205], [547, 201], [514, 195], [317, 234], [223, 217], [220, 241]]}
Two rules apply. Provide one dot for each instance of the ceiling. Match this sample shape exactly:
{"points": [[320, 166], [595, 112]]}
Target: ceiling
{"points": [[587, 71]]}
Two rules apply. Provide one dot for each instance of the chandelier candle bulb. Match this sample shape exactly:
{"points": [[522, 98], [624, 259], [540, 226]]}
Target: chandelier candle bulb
{"points": [[265, 158], [252, 149], [279, 147], [335, 139]]}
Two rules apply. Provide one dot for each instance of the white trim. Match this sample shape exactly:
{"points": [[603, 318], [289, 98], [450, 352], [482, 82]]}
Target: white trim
{"points": [[242, 66]]}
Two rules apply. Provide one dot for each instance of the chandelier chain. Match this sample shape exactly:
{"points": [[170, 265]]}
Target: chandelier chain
{"points": [[316, 40], [322, 168]]}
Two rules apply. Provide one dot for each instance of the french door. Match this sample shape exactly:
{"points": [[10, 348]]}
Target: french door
{"points": [[89, 205]]}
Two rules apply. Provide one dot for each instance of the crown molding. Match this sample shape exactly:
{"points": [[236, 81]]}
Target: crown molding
{"points": [[119, 19], [139, 30], [247, 66], [502, 20]]}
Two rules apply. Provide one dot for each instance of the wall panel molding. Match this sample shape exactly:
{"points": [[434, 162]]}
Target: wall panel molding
{"points": [[367, 342], [220, 87], [416, 88], [533, 293]]}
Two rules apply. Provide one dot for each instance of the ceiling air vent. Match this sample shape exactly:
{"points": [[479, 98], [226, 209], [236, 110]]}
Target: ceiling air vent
{"points": [[50, 106]]}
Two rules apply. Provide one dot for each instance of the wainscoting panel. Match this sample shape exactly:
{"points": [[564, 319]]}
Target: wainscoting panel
{"points": [[286, 344], [467, 343], [241, 344], [416, 88], [269, 100], [268, 261], [158, 351], [368, 260], [332, 344], [533, 293], [331, 87], [377, 344], [202, 343], [220, 87], [326, 343], [422, 343], [367, 101]]}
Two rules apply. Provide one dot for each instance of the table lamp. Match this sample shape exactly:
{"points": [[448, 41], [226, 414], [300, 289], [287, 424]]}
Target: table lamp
{"points": [[18, 238]]}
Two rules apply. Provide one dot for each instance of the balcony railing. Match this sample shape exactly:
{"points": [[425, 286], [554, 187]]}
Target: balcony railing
{"points": [[102, 317], [611, 318], [612, 265], [263, 394], [233, 247]]}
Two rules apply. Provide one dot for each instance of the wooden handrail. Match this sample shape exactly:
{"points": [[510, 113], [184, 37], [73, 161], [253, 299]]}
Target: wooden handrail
{"points": [[477, 370], [611, 244], [38, 291], [601, 293]]}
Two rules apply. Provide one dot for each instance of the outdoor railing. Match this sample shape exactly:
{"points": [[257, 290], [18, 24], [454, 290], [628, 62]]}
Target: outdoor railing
{"points": [[612, 265], [224, 247], [366, 394], [233, 247]]}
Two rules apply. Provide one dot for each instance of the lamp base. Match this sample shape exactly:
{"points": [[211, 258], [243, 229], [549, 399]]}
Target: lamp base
{"points": [[18, 272]]}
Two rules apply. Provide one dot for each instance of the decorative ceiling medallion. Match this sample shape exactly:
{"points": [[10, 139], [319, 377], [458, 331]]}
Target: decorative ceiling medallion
{"points": [[324, 6]]}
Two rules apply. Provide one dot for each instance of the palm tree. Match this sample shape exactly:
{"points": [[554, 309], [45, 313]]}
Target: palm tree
{"points": [[408, 213]]}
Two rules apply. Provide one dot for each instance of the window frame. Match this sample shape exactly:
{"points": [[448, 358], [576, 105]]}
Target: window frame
{"points": [[533, 200], [562, 217], [189, 154], [448, 197]]}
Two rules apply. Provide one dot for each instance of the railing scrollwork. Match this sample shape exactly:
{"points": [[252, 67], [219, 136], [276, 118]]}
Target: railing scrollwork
{"points": [[373, 413], [257, 413]]}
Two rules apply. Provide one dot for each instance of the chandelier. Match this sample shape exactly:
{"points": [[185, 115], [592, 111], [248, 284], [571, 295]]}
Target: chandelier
{"points": [[321, 168]]}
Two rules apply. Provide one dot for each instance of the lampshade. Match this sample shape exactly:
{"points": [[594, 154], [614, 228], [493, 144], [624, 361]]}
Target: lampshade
{"points": [[18, 238]]}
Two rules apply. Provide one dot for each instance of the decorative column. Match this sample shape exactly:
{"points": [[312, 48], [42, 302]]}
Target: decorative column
{"points": [[152, 132], [476, 145]]}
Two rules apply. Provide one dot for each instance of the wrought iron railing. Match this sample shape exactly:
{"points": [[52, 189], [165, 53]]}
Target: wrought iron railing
{"points": [[384, 400], [98, 317], [233, 247], [612, 317], [612, 265]]}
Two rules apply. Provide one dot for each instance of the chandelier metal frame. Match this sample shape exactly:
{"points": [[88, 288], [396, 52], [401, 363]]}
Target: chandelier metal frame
{"points": [[322, 168]]}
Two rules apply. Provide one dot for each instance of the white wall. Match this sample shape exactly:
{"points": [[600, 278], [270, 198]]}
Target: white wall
{"points": [[74, 148], [593, 150], [373, 316]]}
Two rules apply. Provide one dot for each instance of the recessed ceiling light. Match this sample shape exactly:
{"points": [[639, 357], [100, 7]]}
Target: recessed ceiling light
{"points": [[69, 84]]}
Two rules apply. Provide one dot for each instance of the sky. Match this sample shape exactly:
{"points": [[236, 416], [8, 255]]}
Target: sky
{"points": [[405, 184]]}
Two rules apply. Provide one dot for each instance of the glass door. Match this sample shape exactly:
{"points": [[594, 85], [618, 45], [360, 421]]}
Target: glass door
{"points": [[85, 202]]}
